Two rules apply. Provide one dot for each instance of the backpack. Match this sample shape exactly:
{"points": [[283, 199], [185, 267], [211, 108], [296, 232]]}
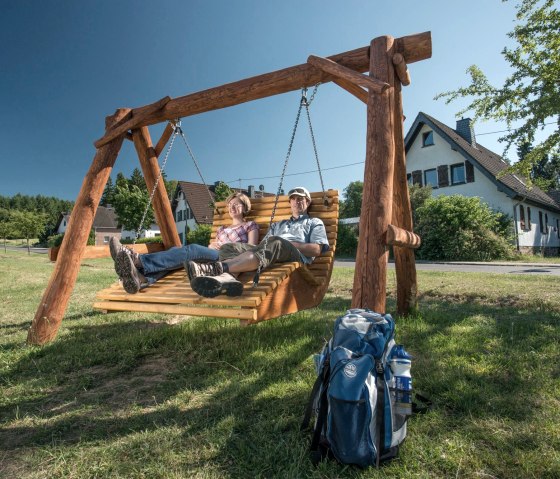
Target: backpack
{"points": [[362, 397]]}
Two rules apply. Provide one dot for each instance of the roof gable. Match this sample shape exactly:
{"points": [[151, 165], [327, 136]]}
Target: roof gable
{"points": [[488, 162]]}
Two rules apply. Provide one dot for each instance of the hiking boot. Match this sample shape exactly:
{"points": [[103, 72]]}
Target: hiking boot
{"points": [[211, 286], [115, 246], [132, 280], [194, 269]]}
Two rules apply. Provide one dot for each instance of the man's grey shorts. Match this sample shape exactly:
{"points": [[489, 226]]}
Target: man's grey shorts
{"points": [[278, 250]]}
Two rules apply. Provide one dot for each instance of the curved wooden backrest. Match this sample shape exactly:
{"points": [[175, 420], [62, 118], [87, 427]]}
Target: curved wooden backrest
{"points": [[261, 210]]}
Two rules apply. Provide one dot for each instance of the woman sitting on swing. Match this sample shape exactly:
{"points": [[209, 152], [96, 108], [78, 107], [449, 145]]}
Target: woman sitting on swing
{"points": [[138, 271]]}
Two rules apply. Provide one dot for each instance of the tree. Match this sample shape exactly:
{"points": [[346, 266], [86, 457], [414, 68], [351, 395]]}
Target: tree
{"points": [[352, 203], [545, 172], [531, 94], [222, 191], [121, 181], [108, 193], [29, 224], [7, 228], [137, 179], [130, 205], [418, 196]]}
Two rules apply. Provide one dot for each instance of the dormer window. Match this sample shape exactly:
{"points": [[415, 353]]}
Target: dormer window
{"points": [[427, 138]]}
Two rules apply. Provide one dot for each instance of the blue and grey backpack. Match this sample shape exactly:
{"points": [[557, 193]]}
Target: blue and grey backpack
{"points": [[362, 397]]}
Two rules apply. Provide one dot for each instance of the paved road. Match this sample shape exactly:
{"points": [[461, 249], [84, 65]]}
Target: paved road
{"points": [[506, 268]]}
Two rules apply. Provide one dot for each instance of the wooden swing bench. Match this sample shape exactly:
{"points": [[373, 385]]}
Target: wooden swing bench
{"points": [[284, 288]]}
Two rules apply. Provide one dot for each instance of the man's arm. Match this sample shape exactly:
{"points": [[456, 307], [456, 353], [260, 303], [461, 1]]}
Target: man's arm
{"points": [[308, 249]]}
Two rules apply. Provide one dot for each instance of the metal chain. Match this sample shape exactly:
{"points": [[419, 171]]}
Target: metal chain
{"points": [[195, 163], [307, 103], [176, 127], [303, 102]]}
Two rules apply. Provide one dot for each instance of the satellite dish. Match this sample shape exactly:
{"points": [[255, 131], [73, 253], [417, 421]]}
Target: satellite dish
{"points": [[261, 187]]}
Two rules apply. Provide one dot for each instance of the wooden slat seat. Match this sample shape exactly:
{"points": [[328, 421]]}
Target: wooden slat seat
{"points": [[284, 288]]}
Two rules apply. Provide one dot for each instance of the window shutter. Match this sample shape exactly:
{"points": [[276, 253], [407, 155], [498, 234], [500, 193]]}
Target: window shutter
{"points": [[417, 177], [521, 217], [469, 171], [443, 175], [528, 218]]}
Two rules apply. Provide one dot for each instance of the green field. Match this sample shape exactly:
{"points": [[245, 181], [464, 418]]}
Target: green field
{"points": [[152, 396]]}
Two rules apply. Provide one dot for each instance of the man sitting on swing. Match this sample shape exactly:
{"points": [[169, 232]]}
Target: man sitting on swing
{"points": [[299, 238]]}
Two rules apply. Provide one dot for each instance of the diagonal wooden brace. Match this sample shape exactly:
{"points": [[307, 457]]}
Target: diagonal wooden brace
{"points": [[339, 71]]}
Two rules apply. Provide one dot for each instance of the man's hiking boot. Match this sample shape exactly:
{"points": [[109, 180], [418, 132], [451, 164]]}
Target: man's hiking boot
{"points": [[115, 247], [132, 280], [212, 268], [211, 286]]}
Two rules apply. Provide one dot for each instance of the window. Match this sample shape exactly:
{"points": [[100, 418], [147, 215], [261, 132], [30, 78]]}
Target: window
{"points": [[430, 178], [458, 174], [522, 218], [106, 239], [545, 223], [528, 218], [427, 138], [558, 228], [409, 178]]}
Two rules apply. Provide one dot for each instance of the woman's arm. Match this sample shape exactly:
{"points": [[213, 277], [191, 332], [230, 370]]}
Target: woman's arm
{"points": [[253, 236]]}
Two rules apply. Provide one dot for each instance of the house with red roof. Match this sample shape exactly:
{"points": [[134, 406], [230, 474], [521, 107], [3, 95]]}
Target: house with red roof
{"points": [[453, 162]]}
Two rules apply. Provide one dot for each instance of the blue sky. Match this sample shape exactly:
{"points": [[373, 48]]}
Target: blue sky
{"points": [[66, 65]]}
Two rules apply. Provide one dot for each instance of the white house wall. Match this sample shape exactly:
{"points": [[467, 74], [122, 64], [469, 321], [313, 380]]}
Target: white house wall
{"points": [[440, 153]]}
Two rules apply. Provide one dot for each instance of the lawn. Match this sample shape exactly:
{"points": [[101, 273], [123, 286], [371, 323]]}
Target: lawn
{"points": [[129, 395]]}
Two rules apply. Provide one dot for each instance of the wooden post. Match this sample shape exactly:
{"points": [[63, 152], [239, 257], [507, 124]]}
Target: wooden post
{"points": [[405, 263], [53, 304], [371, 260], [160, 201]]}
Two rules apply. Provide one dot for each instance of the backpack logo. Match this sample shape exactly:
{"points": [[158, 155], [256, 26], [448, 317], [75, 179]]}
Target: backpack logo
{"points": [[350, 370]]}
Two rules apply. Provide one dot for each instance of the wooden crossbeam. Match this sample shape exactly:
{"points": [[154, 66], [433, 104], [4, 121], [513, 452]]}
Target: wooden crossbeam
{"points": [[135, 121], [400, 237]]}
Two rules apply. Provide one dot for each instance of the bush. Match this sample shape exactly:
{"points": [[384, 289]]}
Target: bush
{"points": [[155, 239], [200, 235], [346, 241], [459, 228], [56, 240]]}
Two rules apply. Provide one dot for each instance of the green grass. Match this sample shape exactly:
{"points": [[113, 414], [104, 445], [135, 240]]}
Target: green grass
{"points": [[153, 396]]}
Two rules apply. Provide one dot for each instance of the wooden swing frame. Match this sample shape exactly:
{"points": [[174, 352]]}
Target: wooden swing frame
{"points": [[385, 219]]}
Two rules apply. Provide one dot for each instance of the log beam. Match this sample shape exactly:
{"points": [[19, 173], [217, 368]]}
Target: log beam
{"points": [[399, 237], [414, 48], [135, 121], [160, 201], [48, 317], [355, 90], [405, 262], [401, 69], [341, 72], [164, 139], [370, 276]]}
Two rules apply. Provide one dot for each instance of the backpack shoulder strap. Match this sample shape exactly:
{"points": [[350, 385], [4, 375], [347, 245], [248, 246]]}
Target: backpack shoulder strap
{"points": [[380, 418]]}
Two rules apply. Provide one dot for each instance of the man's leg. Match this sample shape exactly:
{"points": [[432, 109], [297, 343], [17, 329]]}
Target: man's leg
{"points": [[213, 279]]}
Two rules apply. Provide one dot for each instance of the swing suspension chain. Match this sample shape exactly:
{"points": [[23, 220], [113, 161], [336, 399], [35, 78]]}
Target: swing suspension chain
{"points": [[313, 141], [303, 102], [176, 126], [195, 163]]}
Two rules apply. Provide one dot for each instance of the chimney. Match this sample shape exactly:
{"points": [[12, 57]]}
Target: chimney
{"points": [[465, 129], [251, 191]]}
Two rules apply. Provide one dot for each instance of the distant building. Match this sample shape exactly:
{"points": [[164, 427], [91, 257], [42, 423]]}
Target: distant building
{"points": [[453, 162], [105, 225]]}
